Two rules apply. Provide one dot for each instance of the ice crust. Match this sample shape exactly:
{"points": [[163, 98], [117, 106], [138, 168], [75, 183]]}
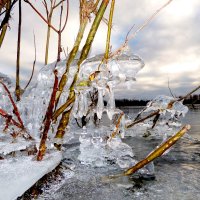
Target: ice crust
{"points": [[18, 175]]}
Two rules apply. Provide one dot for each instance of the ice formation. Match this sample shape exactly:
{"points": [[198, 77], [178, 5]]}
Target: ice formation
{"points": [[96, 84], [168, 121], [97, 150], [122, 69]]}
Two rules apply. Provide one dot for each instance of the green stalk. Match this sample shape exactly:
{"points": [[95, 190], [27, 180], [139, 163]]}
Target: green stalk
{"points": [[92, 33], [60, 131], [4, 29], [84, 54], [3, 33], [106, 56], [72, 55]]}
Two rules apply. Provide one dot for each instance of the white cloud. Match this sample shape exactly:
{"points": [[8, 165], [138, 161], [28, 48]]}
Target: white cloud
{"points": [[169, 45]]}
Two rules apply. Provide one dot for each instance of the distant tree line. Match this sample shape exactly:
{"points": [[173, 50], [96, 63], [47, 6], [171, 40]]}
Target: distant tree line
{"points": [[130, 102], [193, 99]]}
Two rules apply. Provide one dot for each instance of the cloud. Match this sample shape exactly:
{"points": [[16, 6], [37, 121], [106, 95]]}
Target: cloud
{"points": [[169, 45]]}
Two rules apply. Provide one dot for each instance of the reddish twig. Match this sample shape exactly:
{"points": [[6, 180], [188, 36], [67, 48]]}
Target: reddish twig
{"points": [[16, 111], [41, 16], [48, 116], [9, 119]]}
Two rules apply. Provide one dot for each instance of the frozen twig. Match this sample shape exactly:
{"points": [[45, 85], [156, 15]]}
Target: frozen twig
{"points": [[115, 132], [9, 119], [156, 113]]}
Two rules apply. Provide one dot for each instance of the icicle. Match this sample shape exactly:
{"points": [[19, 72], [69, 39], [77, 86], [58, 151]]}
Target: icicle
{"points": [[122, 126], [81, 105], [111, 103], [75, 107], [85, 138], [85, 104], [100, 104]]}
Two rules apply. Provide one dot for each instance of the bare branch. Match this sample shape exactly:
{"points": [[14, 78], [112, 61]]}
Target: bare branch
{"points": [[55, 6], [33, 69], [146, 23], [67, 14], [46, 7], [41, 16], [170, 89]]}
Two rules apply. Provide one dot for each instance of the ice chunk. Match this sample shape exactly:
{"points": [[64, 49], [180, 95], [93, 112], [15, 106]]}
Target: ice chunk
{"points": [[98, 151], [130, 64]]}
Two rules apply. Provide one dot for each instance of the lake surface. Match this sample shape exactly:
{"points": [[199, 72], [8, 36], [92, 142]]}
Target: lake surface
{"points": [[177, 173]]}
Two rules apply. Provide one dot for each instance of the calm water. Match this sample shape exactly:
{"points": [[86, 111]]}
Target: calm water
{"points": [[177, 173]]}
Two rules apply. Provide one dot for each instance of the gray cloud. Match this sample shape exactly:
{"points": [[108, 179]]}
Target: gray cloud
{"points": [[169, 45]]}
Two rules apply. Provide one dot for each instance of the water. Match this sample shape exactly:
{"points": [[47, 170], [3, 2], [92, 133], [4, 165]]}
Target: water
{"points": [[177, 173]]}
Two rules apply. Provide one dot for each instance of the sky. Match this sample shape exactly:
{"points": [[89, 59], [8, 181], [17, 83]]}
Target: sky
{"points": [[169, 45]]}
